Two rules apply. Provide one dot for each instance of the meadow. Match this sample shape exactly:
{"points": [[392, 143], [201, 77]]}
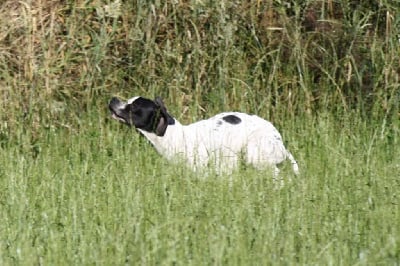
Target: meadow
{"points": [[78, 188]]}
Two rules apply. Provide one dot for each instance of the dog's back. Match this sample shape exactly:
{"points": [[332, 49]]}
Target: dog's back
{"points": [[231, 136]]}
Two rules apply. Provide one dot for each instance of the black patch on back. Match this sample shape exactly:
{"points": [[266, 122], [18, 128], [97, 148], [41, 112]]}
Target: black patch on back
{"points": [[232, 119]]}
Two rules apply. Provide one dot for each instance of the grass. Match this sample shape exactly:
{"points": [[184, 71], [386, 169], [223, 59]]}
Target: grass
{"points": [[77, 188], [101, 195]]}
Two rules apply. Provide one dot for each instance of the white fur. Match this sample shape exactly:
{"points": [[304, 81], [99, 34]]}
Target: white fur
{"points": [[214, 141]]}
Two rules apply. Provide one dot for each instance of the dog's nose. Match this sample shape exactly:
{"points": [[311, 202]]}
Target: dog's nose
{"points": [[114, 104], [115, 101]]}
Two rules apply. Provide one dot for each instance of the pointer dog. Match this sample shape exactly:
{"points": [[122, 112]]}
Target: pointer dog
{"points": [[222, 140]]}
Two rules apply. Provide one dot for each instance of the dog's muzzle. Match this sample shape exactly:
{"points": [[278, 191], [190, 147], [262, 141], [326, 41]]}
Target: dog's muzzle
{"points": [[117, 108]]}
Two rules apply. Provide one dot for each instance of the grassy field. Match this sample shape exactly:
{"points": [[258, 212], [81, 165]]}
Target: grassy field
{"points": [[78, 188], [101, 195]]}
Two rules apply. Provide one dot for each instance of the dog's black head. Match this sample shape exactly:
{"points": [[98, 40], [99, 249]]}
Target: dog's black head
{"points": [[145, 114]]}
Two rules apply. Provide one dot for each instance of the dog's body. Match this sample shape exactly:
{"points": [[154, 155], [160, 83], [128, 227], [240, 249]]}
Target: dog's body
{"points": [[222, 140]]}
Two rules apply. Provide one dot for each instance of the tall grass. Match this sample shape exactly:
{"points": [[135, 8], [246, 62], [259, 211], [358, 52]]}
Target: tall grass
{"points": [[77, 188], [102, 195]]}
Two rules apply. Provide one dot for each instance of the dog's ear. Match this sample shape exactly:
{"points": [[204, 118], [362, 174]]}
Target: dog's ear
{"points": [[164, 118]]}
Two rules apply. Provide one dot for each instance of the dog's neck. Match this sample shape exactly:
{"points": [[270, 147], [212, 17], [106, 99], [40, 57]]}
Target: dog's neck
{"points": [[171, 143]]}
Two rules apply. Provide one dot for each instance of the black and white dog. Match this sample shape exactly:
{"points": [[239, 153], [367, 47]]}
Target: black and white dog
{"points": [[222, 140]]}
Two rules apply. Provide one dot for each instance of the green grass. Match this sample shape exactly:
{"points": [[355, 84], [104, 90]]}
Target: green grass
{"points": [[101, 195]]}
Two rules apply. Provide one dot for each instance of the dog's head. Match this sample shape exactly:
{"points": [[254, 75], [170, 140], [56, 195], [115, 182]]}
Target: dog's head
{"points": [[144, 114]]}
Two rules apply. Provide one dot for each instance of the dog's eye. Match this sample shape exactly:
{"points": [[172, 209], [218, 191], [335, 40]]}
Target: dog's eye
{"points": [[137, 112]]}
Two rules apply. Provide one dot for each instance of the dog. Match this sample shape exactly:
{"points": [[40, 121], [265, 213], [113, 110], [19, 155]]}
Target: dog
{"points": [[222, 140]]}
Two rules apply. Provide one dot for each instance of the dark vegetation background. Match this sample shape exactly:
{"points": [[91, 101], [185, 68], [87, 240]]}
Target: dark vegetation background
{"points": [[62, 59]]}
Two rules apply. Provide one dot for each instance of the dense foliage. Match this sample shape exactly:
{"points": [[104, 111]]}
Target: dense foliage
{"points": [[300, 56]]}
